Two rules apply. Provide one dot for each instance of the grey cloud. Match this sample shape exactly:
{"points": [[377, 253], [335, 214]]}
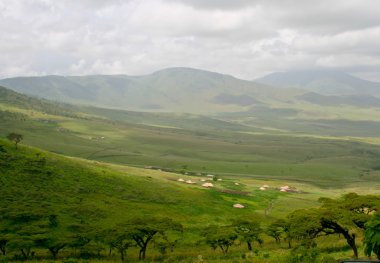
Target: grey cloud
{"points": [[243, 38]]}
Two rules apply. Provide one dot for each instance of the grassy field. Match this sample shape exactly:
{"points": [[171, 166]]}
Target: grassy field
{"points": [[328, 162], [105, 195]]}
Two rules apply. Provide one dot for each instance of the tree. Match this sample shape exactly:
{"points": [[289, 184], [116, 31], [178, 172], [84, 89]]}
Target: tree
{"points": [[142, 231], [344, 216], [54, 242], [276, 230], [248, 230], [372, 236], [15, 137], [348, 214], [304, 225], [3, 245], [223, 237], [120, 239]]}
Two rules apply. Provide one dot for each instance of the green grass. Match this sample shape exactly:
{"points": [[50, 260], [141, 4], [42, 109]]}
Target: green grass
{"points": [[105, 195], [103, 181], [211, 149]]}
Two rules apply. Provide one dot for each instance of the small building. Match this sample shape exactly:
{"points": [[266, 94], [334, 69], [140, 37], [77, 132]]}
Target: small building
{"points": [[208, 185], [190, 182], [238, 206]]}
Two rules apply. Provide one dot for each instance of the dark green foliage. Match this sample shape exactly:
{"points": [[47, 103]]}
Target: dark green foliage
{"points": [[220, 236], [248, 230], [118, 238], [142, 230], [343, 216], [277, 229], [372, 236]]}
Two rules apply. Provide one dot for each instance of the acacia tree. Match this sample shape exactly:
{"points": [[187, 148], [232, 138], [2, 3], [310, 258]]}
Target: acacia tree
{"points": [[53, 239], [276, 230], [142, 231], [54, 242], [15, 137], [223, 237], [344, 216], [120, 239], [248, 230], [303, 225], [372, 236], [347, 215]]}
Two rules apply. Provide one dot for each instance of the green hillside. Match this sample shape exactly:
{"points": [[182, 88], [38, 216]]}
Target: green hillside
{"points": [[175, 89], [189, 143], [71, 208]]}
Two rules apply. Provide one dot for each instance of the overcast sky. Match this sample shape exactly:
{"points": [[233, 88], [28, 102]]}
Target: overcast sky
{"points": [[244, 38]]}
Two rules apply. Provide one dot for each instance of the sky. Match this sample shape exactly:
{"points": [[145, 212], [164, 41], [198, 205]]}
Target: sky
{"points": [[244, 38]]}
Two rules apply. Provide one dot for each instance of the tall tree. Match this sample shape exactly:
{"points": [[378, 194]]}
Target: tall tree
{"points": [[15, 137]]}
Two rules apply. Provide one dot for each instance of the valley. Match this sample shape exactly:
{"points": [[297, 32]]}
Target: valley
{"points": [[112, 166]]}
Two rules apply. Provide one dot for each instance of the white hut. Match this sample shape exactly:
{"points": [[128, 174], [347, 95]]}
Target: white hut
{"points": [[208, 185], [238, 206]]}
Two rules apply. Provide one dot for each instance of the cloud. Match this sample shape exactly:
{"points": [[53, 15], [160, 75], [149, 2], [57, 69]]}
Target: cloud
{"points": [[244, 38]]}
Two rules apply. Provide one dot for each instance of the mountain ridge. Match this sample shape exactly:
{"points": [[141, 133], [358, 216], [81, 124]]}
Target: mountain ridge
{"points": [[327, 82]]}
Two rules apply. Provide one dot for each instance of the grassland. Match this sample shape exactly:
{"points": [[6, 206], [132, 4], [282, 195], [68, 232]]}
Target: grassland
{"points": [[105, 195], [109, 150]]}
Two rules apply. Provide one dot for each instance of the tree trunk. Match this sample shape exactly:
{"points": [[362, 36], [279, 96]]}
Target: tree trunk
{"points": [[339, 229], [3, 244], [122, 256], [249, 246], [25, 253], [352, 244], [53, 252]]}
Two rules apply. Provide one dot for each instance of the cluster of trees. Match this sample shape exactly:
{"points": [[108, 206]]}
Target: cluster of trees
{"points": [[25, 232], [346, 217]]}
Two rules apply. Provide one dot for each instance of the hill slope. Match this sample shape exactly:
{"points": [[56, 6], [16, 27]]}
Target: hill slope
{"points": [[174, 89], [325, 82]]}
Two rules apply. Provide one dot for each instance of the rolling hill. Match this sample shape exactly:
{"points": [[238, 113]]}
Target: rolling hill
{"points": [[324, 82], [174, 89]]}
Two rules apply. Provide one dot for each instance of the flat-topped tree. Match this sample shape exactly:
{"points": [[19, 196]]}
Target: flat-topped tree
{"points": [[220, 236], [248, 230], [142, 231], [15, 137]]}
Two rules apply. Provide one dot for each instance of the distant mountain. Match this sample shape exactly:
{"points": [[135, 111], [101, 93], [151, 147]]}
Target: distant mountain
{"points": [[365, 101], [324, 82], [174, 89]]}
